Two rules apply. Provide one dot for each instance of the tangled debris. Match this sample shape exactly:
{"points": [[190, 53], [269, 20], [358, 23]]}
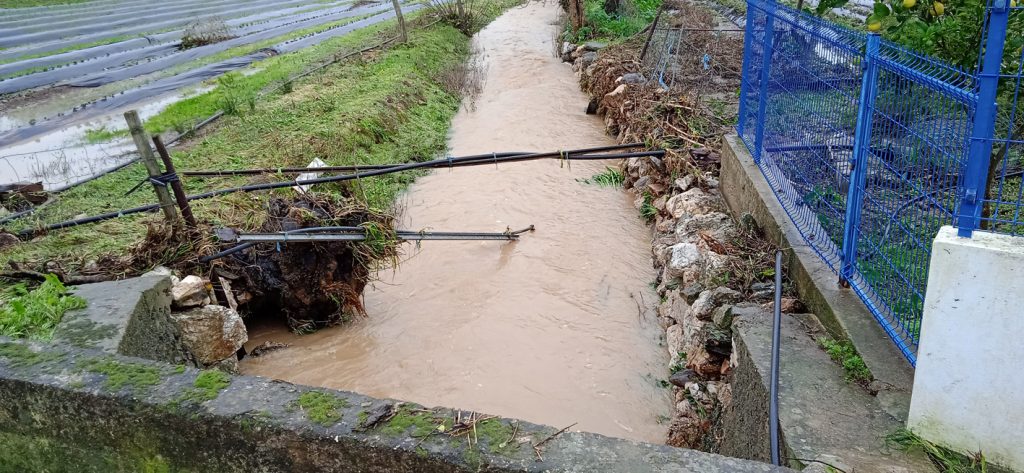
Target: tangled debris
{"points": [[707, 262], [313, 285]]}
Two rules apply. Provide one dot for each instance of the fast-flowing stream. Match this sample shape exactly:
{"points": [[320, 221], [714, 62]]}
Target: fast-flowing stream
{"points": [[557, 328]]}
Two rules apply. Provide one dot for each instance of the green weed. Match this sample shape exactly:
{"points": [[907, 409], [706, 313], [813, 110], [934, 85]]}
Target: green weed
{"points": [[320, 118], [947, 460], [35, 313], [609, 177], [844, 353], [647, 209]]}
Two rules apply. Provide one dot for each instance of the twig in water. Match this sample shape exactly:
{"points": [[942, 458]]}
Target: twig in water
{"points": [[536, 447]]}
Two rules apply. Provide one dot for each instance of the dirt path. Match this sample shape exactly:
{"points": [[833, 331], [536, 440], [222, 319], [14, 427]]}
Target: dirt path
{"points": [[556, 328]]}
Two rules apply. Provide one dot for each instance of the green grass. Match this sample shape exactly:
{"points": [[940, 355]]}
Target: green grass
{"points": [[947, 460], [34, 313], [103, 135], [36, 3], [391, 108], [183, 114], [600, 25], [844, 353], [609, 177]]}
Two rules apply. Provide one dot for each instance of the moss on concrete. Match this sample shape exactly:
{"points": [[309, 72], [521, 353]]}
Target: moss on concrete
{"points": [[120, 374], [206, 387], [23, 355], [420, 423], [84, 333], [497, 435], [321, 407], [23, 453]]}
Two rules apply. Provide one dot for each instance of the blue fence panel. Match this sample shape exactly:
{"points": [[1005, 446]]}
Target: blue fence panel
{"points": [[799, 117], [865, 145], [919, 124], [1000, 191]]}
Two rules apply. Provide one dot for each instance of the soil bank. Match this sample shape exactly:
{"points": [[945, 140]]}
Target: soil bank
{"points": [[557, 328]]}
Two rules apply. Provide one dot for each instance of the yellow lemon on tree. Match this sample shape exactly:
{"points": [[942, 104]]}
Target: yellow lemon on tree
{"points": [[938, 8], [1013, 3], [874, 25], [908, 4]]}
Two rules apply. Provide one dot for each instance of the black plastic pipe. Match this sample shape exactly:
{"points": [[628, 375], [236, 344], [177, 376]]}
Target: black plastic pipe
{"points": [[443, 162], [773, 407]]}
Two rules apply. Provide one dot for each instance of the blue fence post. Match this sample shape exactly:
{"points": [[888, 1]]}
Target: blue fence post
{"points": [[859, 160], [766, 65], [748, 39], [976, 173]]}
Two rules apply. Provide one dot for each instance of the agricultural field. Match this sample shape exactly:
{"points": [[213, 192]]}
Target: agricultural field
{"points": [[68, 70]]}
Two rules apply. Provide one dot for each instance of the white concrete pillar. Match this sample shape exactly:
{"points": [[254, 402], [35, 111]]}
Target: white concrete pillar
{"points": [[969, 382]]}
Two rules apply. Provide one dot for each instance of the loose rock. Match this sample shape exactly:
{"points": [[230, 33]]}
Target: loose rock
{"points": [[190, 292], [681, 377], [708, 301], [211, 333]]}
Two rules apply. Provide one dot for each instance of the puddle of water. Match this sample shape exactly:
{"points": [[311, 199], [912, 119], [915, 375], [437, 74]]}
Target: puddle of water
{"points": [[64, 156], [556, 328]]}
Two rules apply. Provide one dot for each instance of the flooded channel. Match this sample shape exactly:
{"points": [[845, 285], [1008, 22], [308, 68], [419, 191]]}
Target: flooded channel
{"points": [[557, 328]]}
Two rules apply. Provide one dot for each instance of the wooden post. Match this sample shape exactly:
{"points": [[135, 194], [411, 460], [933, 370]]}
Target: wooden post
{"points": [[141, 139], [179, 191], [402, 37]]}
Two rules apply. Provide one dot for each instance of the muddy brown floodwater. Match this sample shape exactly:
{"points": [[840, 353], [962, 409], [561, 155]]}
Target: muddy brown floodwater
{"points": [[556, 328]]}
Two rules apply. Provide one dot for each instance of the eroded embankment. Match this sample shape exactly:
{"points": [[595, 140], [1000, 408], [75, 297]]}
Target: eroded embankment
{"points": [[706, 261], [558, 327]]}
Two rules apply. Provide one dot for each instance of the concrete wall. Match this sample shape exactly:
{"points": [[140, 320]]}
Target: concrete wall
{"points": [[968, 389], [85, 410]]}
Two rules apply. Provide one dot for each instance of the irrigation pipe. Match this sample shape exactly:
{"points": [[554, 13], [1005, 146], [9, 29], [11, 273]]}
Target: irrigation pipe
{"points": [[495, 158], [773, 399], [484, 160], [312, 234]]}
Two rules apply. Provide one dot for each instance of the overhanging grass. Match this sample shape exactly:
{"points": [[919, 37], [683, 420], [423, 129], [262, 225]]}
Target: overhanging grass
{"points": [[388, 108]]}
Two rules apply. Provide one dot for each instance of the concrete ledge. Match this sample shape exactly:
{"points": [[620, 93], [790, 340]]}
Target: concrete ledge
{"points": [[840, 310], [72, 409], [128, 317], [821, 416]]}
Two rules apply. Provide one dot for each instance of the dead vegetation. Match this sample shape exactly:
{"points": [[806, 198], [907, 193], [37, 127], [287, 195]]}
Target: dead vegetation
{"points": [[465, 79], [687, 118], [208, 31]]}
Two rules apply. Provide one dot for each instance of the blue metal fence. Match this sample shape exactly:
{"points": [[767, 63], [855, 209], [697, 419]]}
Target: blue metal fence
{"points": [[869, 148]]}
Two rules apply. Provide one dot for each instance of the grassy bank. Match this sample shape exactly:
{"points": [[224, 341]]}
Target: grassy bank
{"points": [[385, 106]]}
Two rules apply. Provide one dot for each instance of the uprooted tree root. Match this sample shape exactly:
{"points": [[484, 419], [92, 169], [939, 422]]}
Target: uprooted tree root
{"points": [[312, 285]]}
